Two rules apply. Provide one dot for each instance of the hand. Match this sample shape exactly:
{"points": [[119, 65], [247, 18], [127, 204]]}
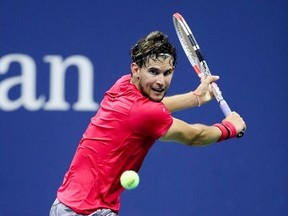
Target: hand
{"points": [[237, 121], [204, 91]]}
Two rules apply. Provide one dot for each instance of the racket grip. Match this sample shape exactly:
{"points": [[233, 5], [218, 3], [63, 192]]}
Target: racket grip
{"points": [[225, 108], [241, 134], [226, 111]]}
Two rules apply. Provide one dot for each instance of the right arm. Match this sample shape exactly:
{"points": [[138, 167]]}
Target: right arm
{"points": [[199, 134]]}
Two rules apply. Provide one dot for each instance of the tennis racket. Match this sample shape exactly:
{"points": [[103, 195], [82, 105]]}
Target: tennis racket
{"points": [[195, 57]]}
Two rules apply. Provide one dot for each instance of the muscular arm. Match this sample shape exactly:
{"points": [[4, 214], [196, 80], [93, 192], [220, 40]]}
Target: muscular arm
{"points": [[191, 134], [199, 134]]}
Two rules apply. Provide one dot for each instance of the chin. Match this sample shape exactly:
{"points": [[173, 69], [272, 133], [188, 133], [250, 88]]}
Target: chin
{"points": [[157, 98]]}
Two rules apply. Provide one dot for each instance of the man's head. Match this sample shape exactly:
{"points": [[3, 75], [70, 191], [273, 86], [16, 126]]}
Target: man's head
{"points": [[153, 64]]}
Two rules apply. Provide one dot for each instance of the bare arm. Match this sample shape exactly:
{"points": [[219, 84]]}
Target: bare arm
{"points": [[191, 134], [191, 99], [180, 102], [199, 134]]}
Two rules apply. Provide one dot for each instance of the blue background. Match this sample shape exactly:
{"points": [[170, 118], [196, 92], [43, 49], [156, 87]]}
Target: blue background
{"points": [[245, 42]]}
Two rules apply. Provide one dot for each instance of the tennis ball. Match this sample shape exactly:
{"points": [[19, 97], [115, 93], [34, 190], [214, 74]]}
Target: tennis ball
{"points": [[129, 179]]}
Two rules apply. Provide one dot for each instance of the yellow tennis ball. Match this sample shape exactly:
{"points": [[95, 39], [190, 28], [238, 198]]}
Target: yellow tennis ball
{"points": [[129, 179]]}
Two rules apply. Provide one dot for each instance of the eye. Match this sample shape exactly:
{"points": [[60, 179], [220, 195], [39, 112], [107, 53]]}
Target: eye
{"points": [[153, 71], [168, 72]]}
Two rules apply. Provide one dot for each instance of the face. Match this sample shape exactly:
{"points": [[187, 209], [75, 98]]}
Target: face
{"points": [[154, 78]]}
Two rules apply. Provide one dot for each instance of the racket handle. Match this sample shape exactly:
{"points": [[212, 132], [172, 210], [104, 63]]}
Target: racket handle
{"points": [[224, 107], [226, 111], [241, 134]]}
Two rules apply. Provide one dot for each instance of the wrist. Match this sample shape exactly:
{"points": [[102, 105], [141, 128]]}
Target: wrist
{"points": [[197, 98], [227, 129]]}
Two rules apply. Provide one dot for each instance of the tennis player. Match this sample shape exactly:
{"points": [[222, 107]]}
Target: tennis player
{"points": [[134, 113]]}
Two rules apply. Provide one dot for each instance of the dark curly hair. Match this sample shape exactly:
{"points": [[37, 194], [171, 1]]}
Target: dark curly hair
{"points": [[153, 46]]}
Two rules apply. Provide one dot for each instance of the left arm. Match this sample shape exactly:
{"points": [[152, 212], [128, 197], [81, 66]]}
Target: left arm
{"points": [[181, 101], [191, 99]]}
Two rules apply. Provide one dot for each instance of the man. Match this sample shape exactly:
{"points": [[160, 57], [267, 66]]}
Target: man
{"points": [[133, 115]]}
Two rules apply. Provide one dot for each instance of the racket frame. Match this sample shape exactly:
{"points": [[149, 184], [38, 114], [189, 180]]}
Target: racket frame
{"points": [[195, 57]]}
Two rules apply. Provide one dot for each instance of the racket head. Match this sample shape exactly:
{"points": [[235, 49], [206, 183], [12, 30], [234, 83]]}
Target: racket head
{"points": [[184, 34]]}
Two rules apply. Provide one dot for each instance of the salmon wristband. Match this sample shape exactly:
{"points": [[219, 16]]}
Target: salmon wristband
{"points": [[228, 130]]}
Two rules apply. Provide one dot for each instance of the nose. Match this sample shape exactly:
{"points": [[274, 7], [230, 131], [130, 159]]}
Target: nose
{"points": [[160, 80]]}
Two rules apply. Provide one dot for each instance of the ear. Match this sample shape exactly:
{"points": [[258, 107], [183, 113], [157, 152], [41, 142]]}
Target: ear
{"points": [[135, 69]]}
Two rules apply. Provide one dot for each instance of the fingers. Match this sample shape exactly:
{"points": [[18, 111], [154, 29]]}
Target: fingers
{"points": [[238, 120], [209, 79]]}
